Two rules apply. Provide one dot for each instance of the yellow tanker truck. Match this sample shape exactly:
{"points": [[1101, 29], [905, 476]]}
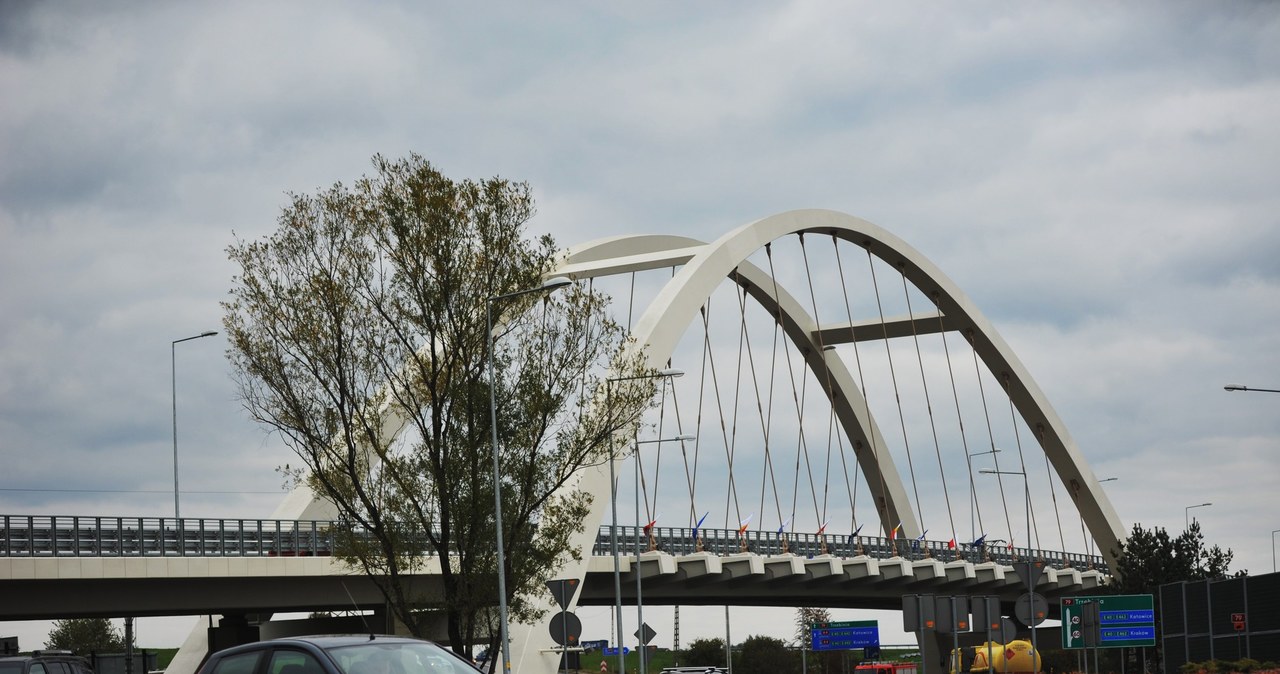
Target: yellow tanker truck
{"points": [[1014, 657]]}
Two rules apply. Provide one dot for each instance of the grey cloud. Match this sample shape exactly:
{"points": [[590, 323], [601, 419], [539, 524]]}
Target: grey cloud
{"points": [[1098, 179]]}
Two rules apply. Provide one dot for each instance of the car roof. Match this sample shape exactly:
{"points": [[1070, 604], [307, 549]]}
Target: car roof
{"points": [[41, 656], [330, 640], [324, 641]]}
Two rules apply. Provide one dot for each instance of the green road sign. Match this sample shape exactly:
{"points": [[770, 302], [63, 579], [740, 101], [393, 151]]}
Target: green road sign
{"points": [[1108, 622]]}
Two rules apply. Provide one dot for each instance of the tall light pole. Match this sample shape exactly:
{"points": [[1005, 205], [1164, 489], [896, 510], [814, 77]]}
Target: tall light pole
{"points": [[1242, 387], [973, 492], [1273, 549], [1026, 484], [639, 601], [613, 497], [1188, 512], [173, 374], [548, 285]]}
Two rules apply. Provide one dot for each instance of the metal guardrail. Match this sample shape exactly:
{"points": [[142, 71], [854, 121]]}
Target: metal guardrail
{"points": [[80, 536], [680, 541]]}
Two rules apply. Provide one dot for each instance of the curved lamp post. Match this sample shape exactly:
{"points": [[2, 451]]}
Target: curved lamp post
{"points": [[1026, 482], [973, 492], [613, 497], [1242, 387], [639, 601], [1273, 549], [173, 374], [1188, 512], [548, 285]]}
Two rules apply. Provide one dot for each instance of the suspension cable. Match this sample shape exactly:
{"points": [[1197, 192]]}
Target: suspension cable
{"points": [[709, 369], [770, 474], [928, 404], [1053, 494], [995, 457], [964, 441], [1026, 475], [813, 301], [915, 487], [866, 399]]}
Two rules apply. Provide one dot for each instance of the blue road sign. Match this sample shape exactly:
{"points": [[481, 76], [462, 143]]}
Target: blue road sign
{"points": [[845, 636]]}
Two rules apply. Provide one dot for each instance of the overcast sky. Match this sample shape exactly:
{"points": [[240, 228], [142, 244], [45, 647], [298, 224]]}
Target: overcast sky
{"points": [[1101, 179]]}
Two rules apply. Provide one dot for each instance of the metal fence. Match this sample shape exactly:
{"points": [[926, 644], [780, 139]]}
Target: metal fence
{"points": [[680, 541], [73, 536]]}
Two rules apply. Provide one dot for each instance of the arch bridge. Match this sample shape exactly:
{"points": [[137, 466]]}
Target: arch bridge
{"points": [[848, 428], [833, 380]]}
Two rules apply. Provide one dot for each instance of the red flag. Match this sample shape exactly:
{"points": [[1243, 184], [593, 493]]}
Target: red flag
{"points": [[951, 544]]}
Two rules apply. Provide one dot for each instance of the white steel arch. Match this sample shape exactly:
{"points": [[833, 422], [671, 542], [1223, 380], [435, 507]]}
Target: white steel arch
{"points": [[706, 266]]}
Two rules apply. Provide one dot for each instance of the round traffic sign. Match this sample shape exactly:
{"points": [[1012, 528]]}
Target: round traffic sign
{"points": [[566, 628], [1031, 609]]}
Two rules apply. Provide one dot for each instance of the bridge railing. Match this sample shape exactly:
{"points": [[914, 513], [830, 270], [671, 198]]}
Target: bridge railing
{"points": [[76, 536], [680, 541]]}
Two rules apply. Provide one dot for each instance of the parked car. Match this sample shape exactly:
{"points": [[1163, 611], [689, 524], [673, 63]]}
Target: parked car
{"points": [[45, 662], [338, 654]]}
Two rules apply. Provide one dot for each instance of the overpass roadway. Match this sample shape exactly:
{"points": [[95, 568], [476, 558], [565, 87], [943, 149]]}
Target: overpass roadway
{"points": [[62, 587]]}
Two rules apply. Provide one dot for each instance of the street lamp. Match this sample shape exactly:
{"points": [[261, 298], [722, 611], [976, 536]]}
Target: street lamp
{"points": [[1188, 512], [1026, 482], [639, 601], [173, 373], [548, 285], [973, 492], [1273, 549], [1242, 387], [613, 495]]}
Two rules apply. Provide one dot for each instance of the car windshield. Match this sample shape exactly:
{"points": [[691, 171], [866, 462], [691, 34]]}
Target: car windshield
{"points": [[399, 657]]}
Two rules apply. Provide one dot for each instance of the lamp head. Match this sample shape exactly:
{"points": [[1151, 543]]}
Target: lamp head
{"points": [[556, 282], [209, 333], [671, 372]]}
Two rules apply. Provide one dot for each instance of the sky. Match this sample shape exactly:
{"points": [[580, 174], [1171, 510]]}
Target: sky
{"points": [[1100, 179]]}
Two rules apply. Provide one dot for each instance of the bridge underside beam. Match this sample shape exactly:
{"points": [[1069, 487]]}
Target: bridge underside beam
{"points": [[48, 599], [833, 582]]}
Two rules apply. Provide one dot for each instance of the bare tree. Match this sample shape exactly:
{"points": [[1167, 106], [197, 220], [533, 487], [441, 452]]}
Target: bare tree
{"points": [[806, 618], [358, 333]]}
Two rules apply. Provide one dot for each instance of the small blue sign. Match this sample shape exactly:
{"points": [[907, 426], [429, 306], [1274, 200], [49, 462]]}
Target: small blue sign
{"points": [[845, 638], [1128, 633], [614, 651], [1138, 617]]}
